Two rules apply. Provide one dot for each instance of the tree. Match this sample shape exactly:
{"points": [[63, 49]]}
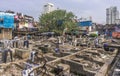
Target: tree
{"points": [[57, 21]]}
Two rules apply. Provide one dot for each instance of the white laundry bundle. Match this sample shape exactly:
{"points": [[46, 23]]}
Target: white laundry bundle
{"points": [[25, 72], [29, 67]]}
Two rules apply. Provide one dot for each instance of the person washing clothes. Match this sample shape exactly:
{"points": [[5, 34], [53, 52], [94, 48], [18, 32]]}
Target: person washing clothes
{"points": [[107, 48], [5, 54], [33, 54], [57, 50], [96, 42], [26, 43]]}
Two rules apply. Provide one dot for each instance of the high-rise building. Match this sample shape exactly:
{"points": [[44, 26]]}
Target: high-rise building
{"points": [[112, 14], [49, 7]]}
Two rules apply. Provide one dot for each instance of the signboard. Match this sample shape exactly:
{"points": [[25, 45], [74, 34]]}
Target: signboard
{"points": [[85, 23], [116, 34]]}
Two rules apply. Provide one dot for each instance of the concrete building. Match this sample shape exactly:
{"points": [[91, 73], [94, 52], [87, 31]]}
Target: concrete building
{"points": [[118, 21], [112, 14], [49, 7]]}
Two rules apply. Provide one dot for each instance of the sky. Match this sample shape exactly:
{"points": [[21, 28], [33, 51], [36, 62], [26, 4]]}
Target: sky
{"points": [[81, 8]]}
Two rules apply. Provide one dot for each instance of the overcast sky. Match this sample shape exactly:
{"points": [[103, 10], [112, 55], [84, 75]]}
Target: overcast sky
{"points": [[81, 8]]}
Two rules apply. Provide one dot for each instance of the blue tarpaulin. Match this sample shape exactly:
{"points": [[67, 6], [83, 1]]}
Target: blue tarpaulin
{"points": [[1, 20], [7, 20], [85, 23]]}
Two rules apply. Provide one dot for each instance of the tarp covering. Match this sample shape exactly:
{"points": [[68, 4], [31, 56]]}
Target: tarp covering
{"points": [[116, 34], [6, 20]]}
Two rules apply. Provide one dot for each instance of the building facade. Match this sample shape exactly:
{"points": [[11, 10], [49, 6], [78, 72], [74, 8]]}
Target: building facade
{"points": [[13, 24], [85, 24], [49, 7], [112, 14]]}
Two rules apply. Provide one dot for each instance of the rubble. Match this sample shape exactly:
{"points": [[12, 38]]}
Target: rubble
{"points": [[71, 59]]}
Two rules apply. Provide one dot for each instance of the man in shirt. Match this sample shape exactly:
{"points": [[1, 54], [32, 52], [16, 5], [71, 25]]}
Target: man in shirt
{"points": [[96, 42]]}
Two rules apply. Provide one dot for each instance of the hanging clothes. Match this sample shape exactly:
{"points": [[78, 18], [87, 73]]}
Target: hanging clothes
{"points": [[30, 25], [16, 17], [32, 56], [21, 25], [26, 25]]}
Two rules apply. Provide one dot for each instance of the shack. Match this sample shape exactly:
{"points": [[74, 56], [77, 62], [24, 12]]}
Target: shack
{"points": [[6, 25]]}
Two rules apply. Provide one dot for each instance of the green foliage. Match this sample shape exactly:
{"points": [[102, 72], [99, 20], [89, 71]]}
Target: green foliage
{"points": [[57, 21], [93, 35]]}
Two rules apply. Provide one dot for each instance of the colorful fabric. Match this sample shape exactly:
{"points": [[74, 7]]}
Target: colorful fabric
{"points": [[21, 25], [30, 25], [26, 25]]}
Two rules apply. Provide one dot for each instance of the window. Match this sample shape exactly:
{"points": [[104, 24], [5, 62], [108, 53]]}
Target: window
{"points": [[0, 31], [1, 21]]}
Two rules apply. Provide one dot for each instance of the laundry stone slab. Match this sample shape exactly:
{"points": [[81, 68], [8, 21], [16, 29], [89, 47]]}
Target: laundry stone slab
{"points": [[22, 53]]}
